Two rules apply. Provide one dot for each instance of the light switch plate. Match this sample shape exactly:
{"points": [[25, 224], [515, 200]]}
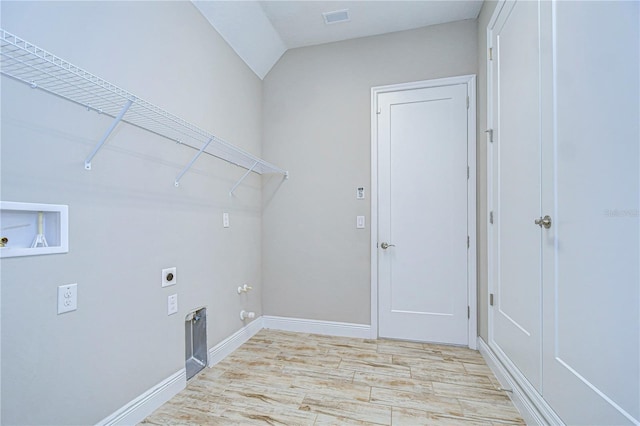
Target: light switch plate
{"points": [[360, 222], [172, 304], [169, 277], [67, 298]]}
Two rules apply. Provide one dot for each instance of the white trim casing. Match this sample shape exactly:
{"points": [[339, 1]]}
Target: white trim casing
{"points": [[490, 180], [374, 213], [139, 408], [472, 279], [330, 328], [533, 408], [472, 206]]}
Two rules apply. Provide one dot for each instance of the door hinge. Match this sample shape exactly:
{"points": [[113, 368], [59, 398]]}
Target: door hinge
{"points": [[490, 132], [468, 172], [468, 241], [467, 101], [491, 53], [491, 299], [491, 217], [469, 312]]}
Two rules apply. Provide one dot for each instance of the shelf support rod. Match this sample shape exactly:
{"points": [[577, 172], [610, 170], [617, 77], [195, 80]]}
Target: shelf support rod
{"points": [[242, 178], [87, 161], [193, 160]]}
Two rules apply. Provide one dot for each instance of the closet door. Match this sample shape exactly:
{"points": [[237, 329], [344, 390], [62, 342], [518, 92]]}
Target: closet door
{"points": [[515, 274], [591, 253]]}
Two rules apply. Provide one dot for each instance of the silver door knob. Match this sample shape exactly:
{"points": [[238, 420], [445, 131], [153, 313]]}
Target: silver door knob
{"points": [[544, 221], [386, 245]]}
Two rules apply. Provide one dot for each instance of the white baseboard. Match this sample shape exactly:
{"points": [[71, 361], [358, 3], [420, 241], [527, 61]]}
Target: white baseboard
{"points": [[330, 328], [533, 408], [136, 411], [233, 342]]}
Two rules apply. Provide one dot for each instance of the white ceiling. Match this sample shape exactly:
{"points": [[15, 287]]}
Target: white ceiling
{"points": [[261, 31]]}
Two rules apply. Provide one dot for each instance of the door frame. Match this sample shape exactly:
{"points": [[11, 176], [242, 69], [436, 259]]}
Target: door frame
{"points": [[532, 405], [472, 279]]}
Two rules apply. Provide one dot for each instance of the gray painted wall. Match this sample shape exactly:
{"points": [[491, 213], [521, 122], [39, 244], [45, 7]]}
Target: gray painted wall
{"points": [[316, 120], [483, 299], [127, 220]]}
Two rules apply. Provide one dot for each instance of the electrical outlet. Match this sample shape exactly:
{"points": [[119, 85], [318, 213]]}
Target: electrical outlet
{"points": [[67, 298], [172, 304], [169, 277], [225, 220]]}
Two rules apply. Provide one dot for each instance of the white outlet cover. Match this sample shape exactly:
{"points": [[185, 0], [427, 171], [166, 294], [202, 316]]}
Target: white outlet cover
{"points": [[67, 298], [166, 282], [225, 220], [172, 304]]}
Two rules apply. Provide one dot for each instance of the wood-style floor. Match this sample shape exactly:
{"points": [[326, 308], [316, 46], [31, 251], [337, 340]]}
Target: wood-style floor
{"points": [[281, 378]]}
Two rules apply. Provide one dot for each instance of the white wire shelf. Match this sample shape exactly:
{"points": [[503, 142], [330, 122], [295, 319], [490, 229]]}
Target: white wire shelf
{"points": [[42, 70]]}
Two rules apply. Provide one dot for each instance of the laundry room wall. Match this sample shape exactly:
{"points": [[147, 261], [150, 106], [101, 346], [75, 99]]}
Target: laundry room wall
{"points": [[317, 120], [127, 221]]}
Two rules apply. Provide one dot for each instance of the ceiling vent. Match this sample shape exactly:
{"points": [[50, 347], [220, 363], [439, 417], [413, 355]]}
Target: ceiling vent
{"points": [[336, 16]]}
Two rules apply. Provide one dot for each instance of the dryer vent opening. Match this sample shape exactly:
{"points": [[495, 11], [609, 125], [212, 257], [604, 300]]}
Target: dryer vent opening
{"points": [[196, 342]]}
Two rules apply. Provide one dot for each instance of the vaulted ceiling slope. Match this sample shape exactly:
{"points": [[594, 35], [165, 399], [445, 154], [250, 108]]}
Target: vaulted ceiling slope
{"points": [[261, 31]]}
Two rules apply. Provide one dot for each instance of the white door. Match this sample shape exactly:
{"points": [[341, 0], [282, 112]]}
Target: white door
{"points": [[516, 167], [591, 363], [566, 314], [423, 212]]}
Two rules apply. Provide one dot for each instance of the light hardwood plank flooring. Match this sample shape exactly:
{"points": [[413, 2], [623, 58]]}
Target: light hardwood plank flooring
{"points": [[282, 378]]}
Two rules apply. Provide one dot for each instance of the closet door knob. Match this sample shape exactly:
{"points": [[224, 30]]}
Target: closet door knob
{"points": [[386, 245], [544, 221]]}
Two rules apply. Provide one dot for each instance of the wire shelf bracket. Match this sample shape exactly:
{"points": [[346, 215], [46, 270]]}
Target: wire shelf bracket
{"points": [[39, 69], [87, 161], [193, 160], [242, 178]]}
